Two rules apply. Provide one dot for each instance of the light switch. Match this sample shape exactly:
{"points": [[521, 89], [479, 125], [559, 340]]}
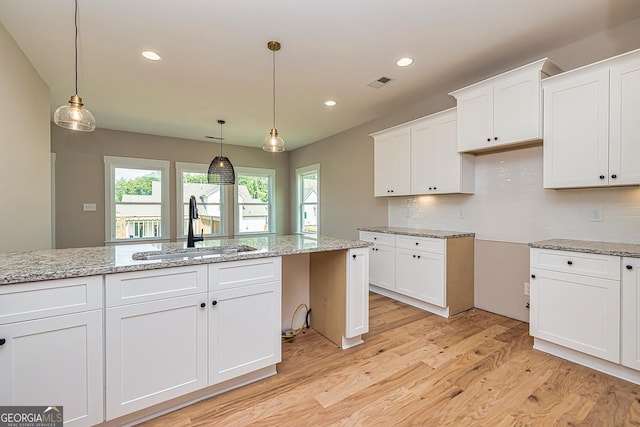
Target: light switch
{"points": [[89, 207]]}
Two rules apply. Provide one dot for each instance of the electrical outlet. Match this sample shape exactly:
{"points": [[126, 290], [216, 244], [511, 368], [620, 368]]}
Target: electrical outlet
{"points": [[596, 215], [527, 289], [89, 207]]}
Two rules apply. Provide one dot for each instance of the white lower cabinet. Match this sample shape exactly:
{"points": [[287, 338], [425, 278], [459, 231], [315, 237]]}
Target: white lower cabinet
{"points": [[245, 317], [631, 312], [51, 360], [421, 275], [575, 301], [156, 351], [418, 270], [156, 337], [357, 298]]}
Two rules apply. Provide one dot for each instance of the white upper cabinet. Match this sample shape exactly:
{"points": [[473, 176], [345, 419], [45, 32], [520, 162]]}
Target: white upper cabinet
{"points": [[436, 166], [591, 125], [421, 157], [392, 153], [504, 110]]}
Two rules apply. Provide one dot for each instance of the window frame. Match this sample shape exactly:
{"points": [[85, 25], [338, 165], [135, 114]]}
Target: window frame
{"points": [[271, 205], [182, 167], [111, 164], [300, 172]]}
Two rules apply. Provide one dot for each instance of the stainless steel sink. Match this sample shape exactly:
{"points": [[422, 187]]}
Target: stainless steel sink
{"points": [[193, 252]]}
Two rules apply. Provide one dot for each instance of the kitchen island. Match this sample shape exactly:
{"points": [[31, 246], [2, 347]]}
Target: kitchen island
{"points": [[127, 338]]}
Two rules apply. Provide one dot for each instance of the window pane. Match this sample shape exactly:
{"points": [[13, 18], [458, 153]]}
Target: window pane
{"points": [[138, 185], [253, 218], [253, 189], [208, 219], [138, 220], [309, 219], [208, 198]]}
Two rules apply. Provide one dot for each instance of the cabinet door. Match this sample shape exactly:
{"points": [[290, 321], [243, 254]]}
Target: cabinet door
{"points": [[424, 167], [55, 361], [392, 154], [624, 129], [517, 108], [420, 275], [579, 312], [244, 330], [475, 118], [576, 130], [357, 303], [631, 312], [447, 161], [383, 266], [155, 351]]}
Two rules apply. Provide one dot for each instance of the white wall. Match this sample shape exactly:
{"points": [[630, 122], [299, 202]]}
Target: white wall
{"points": [[25, 215]]}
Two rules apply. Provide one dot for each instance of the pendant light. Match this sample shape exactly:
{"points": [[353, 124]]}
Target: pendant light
{"points": [[221, 170], [273, 142], [73, 116]]}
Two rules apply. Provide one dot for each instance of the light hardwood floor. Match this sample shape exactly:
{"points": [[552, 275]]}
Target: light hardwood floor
{"points": [[418, 369]]}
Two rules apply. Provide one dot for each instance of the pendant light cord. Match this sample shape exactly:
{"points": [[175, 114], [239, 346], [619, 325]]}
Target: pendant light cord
{"points": [[274, 88], [76, 44], [220, 138]]}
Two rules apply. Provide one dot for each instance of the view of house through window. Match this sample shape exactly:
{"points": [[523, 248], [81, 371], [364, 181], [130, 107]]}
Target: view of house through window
{"points": [[193, 182], [308, 199], [135, 207], [138, 203], [254, 200]]}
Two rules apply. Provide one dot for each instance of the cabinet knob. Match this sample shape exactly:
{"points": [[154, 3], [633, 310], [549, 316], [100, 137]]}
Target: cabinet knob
{"points": [[435, 188], [429, 188], [488, 139], [601, 176], [629, 267], [614, 176], [414, 256], [202, 305], [495, 138], [214, 302], [418, 256], [570, 262], [375, 238], [417, 243], [533, 276], [354, 256], [2, 341]]}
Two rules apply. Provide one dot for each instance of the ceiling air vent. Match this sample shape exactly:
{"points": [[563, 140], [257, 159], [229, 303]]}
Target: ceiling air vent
{"points": [[379, 82]]}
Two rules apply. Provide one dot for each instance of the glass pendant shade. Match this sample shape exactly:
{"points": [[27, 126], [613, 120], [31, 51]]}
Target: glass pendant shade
{"points": [[74, 117], [221, 170], [273, 142]]}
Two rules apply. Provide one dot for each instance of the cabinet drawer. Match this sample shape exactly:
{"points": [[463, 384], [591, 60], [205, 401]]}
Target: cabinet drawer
{"points": [[594, 265], [142, 286], [233, 274], [34, 300], [378, 238], [421, 244]]}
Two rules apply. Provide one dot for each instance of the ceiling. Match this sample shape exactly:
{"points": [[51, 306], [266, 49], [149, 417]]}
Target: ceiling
{"points": [[216, 65]]}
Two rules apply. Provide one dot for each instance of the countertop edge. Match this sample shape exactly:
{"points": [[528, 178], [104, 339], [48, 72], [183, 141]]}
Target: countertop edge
{"points": [[418, 232], [590, 247]]}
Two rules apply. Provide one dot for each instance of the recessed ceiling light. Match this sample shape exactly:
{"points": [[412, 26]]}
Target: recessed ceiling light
{"points": [[404, 62], [151, 55], [330, 103]]}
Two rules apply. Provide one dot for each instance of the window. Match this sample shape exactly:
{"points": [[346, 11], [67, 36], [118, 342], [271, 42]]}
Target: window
{"points": [[192, 181], [136, 199], [308, 199], [255, 198]]}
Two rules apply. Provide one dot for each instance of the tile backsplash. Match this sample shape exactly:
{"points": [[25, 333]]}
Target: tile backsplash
{"points": [[510, 205]]}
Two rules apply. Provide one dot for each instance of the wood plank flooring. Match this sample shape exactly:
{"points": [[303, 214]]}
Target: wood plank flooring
{"points": [[418, 369]]}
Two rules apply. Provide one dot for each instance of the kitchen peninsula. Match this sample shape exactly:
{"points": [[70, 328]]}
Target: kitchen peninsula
{"points": [[127, 338]]}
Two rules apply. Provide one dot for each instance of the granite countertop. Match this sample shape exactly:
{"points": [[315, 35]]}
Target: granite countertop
{"points": [[591, 247], [418, 232], [19, 267]]}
